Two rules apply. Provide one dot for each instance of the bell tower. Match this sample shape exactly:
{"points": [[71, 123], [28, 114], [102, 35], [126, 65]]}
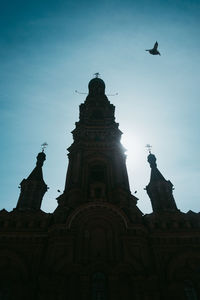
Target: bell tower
{"points": [[97, 161]]}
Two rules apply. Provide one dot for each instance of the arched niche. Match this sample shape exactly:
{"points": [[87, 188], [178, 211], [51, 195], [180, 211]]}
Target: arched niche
{"points": [[97, 175], [97, 229], [97, 180]]}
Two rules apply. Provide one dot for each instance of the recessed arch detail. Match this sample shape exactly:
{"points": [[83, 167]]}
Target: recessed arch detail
{"points": [[97, 206]]}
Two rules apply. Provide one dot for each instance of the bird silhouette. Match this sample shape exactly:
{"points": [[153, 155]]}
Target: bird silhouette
{"points": [[154, 50]]}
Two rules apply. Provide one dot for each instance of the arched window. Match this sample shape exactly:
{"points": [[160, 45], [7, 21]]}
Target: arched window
{"points": [[98, 173], [190, 291], [97, 181], [99, 286]]}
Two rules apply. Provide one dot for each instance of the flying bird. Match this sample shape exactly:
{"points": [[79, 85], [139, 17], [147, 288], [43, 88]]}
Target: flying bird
{"points": [[154, 50]]}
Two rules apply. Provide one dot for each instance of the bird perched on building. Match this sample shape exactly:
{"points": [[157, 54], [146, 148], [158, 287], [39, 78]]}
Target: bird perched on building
{"points": [[154, 50]]}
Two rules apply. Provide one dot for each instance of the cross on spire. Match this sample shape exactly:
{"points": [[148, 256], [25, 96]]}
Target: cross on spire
{"points": [[149, 147], [97, 75], [44, 145]]}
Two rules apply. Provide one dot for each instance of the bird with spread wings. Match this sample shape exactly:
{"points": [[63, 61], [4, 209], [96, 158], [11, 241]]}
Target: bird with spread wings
{"points": [[154, 50]]}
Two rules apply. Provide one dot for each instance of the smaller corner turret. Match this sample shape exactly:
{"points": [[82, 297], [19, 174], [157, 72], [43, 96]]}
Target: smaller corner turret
{"points": [[159, 190], [33, 188]]}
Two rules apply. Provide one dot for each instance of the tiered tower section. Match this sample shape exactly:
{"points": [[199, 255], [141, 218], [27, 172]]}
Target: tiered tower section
{"points": [[97, 161]]}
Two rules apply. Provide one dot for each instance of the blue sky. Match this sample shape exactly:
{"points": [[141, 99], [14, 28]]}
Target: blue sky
{"points": [[49, 49]]}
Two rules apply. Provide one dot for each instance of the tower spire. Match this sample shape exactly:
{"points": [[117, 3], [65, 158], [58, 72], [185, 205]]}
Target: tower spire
{"points": [[33, 188], [159, 189], [97, 161]]}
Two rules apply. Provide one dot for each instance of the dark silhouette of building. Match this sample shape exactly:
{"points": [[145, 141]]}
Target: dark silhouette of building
{"points": [[97, 244]]}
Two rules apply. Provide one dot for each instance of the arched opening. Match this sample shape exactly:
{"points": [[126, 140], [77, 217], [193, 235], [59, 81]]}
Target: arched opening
{"points": [[99, 289], [98, 172], [97, 181]]}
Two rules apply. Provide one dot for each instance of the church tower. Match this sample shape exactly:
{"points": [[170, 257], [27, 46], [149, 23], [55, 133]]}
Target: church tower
{"points": [[97, 163], [33, 188], [97, 244]]}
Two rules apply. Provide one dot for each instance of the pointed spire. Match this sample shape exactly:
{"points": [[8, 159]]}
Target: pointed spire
{"points": [[155, 173], [36, 174], [159, 190], [33, 188]]}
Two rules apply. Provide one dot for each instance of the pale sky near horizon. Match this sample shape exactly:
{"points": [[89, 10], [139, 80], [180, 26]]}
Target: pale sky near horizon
{"points": [[49, 49]]}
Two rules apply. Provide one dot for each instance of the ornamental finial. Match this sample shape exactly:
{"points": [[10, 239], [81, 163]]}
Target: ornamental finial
{"points": [[97, 75], [44, 145], [149, 147]]}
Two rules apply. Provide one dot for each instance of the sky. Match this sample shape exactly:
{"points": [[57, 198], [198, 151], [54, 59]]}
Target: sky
{"points": [[49, 49]]}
